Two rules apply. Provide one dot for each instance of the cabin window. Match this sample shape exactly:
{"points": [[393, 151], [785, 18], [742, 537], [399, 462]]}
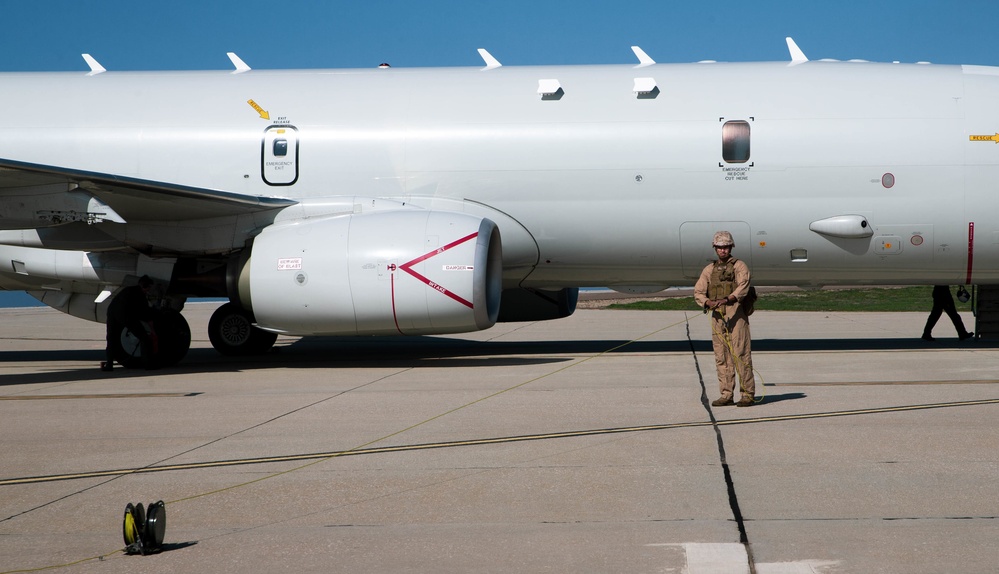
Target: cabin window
{"points": [[280, 148], [735, 141]]}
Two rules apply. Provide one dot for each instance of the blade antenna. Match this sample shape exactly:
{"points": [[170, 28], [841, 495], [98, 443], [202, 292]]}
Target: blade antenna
{"points": [[643, 58], [797, 56], [491, 62], [238, 63], [95, 66]]}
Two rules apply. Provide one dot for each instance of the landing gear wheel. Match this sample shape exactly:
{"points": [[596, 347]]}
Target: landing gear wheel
{"points": [[232, 333], [171, 340], [174, 335], [126, 348]]}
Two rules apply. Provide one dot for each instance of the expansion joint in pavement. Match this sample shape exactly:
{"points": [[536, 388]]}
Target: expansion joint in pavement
{"points": [[733, 499]]}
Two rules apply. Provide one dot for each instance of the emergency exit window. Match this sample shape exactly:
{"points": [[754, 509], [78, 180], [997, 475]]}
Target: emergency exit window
{"points": [[280, 148], [735, 141]]}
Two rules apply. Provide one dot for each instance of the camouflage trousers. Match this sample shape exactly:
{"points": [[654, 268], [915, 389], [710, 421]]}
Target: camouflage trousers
{"points": [[731, 341]]}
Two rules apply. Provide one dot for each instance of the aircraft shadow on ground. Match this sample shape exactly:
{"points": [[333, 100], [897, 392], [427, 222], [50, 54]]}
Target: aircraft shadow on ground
{"points": [[426, 352]]}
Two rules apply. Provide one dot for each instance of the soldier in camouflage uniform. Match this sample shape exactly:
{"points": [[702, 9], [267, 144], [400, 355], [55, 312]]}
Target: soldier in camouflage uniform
{"points": [[720, 290]]}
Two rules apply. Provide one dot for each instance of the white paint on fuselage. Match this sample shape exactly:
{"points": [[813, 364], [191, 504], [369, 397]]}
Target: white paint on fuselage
{"points": [[602, 180]]}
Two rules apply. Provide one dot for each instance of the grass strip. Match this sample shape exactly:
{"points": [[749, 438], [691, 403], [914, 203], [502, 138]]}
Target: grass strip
{"points": [[918, 298]]}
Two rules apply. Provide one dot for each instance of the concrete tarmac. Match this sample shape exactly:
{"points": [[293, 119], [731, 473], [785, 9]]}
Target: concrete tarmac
{"points": [[579, 445]]}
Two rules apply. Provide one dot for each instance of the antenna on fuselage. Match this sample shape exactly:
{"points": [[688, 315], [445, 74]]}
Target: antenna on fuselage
{"points": [[238, 63], [797, 56], [491, 62], [643, 58], [95, 67]]}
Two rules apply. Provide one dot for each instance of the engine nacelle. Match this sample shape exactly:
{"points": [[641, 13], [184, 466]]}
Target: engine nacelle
{"points": [[410, 272]]}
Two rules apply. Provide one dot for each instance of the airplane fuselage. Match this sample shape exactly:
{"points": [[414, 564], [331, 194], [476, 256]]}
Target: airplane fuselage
{"points": [[599, 185]]}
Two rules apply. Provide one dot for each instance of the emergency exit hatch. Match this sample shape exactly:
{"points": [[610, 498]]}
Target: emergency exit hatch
{"points": [[279, 155]]}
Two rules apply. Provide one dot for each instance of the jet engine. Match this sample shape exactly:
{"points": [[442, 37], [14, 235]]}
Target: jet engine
{"points": [[410, 272]]}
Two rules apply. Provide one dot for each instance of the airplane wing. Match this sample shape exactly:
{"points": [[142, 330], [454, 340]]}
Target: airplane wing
{"points": [[136, 199]]}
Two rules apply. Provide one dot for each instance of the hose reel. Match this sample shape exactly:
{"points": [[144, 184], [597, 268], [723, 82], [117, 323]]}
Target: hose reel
{"points": [[143, 528]]}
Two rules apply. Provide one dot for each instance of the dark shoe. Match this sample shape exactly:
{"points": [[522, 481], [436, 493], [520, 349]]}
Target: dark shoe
{"points": [[107, 366], [722, 402], [927, 337], [745, 401], [965, 336]]}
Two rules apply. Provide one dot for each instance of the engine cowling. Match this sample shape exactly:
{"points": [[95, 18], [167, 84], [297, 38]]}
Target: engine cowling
{"points": [[411, 272]]}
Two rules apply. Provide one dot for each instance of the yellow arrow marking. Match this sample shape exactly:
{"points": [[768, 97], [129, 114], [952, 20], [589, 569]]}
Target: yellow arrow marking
{"points": [[994, 138], [266, 115]]}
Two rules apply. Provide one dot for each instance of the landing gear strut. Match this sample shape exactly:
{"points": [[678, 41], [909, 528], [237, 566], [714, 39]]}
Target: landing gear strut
{"points": [[232, 332]]}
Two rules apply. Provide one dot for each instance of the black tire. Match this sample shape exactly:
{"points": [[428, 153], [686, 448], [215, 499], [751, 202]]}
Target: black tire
{"points": [[174, 335], [232, 332], [173, 339], [125, 348]]}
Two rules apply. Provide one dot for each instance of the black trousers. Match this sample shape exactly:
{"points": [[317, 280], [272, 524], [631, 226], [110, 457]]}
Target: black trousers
{"points": [[943, 302]]}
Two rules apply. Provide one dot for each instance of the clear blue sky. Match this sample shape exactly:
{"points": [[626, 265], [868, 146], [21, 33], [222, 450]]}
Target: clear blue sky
{"points": [[49, 35]]}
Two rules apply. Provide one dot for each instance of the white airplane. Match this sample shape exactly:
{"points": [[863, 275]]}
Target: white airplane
{"points": [[441, 200]]}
